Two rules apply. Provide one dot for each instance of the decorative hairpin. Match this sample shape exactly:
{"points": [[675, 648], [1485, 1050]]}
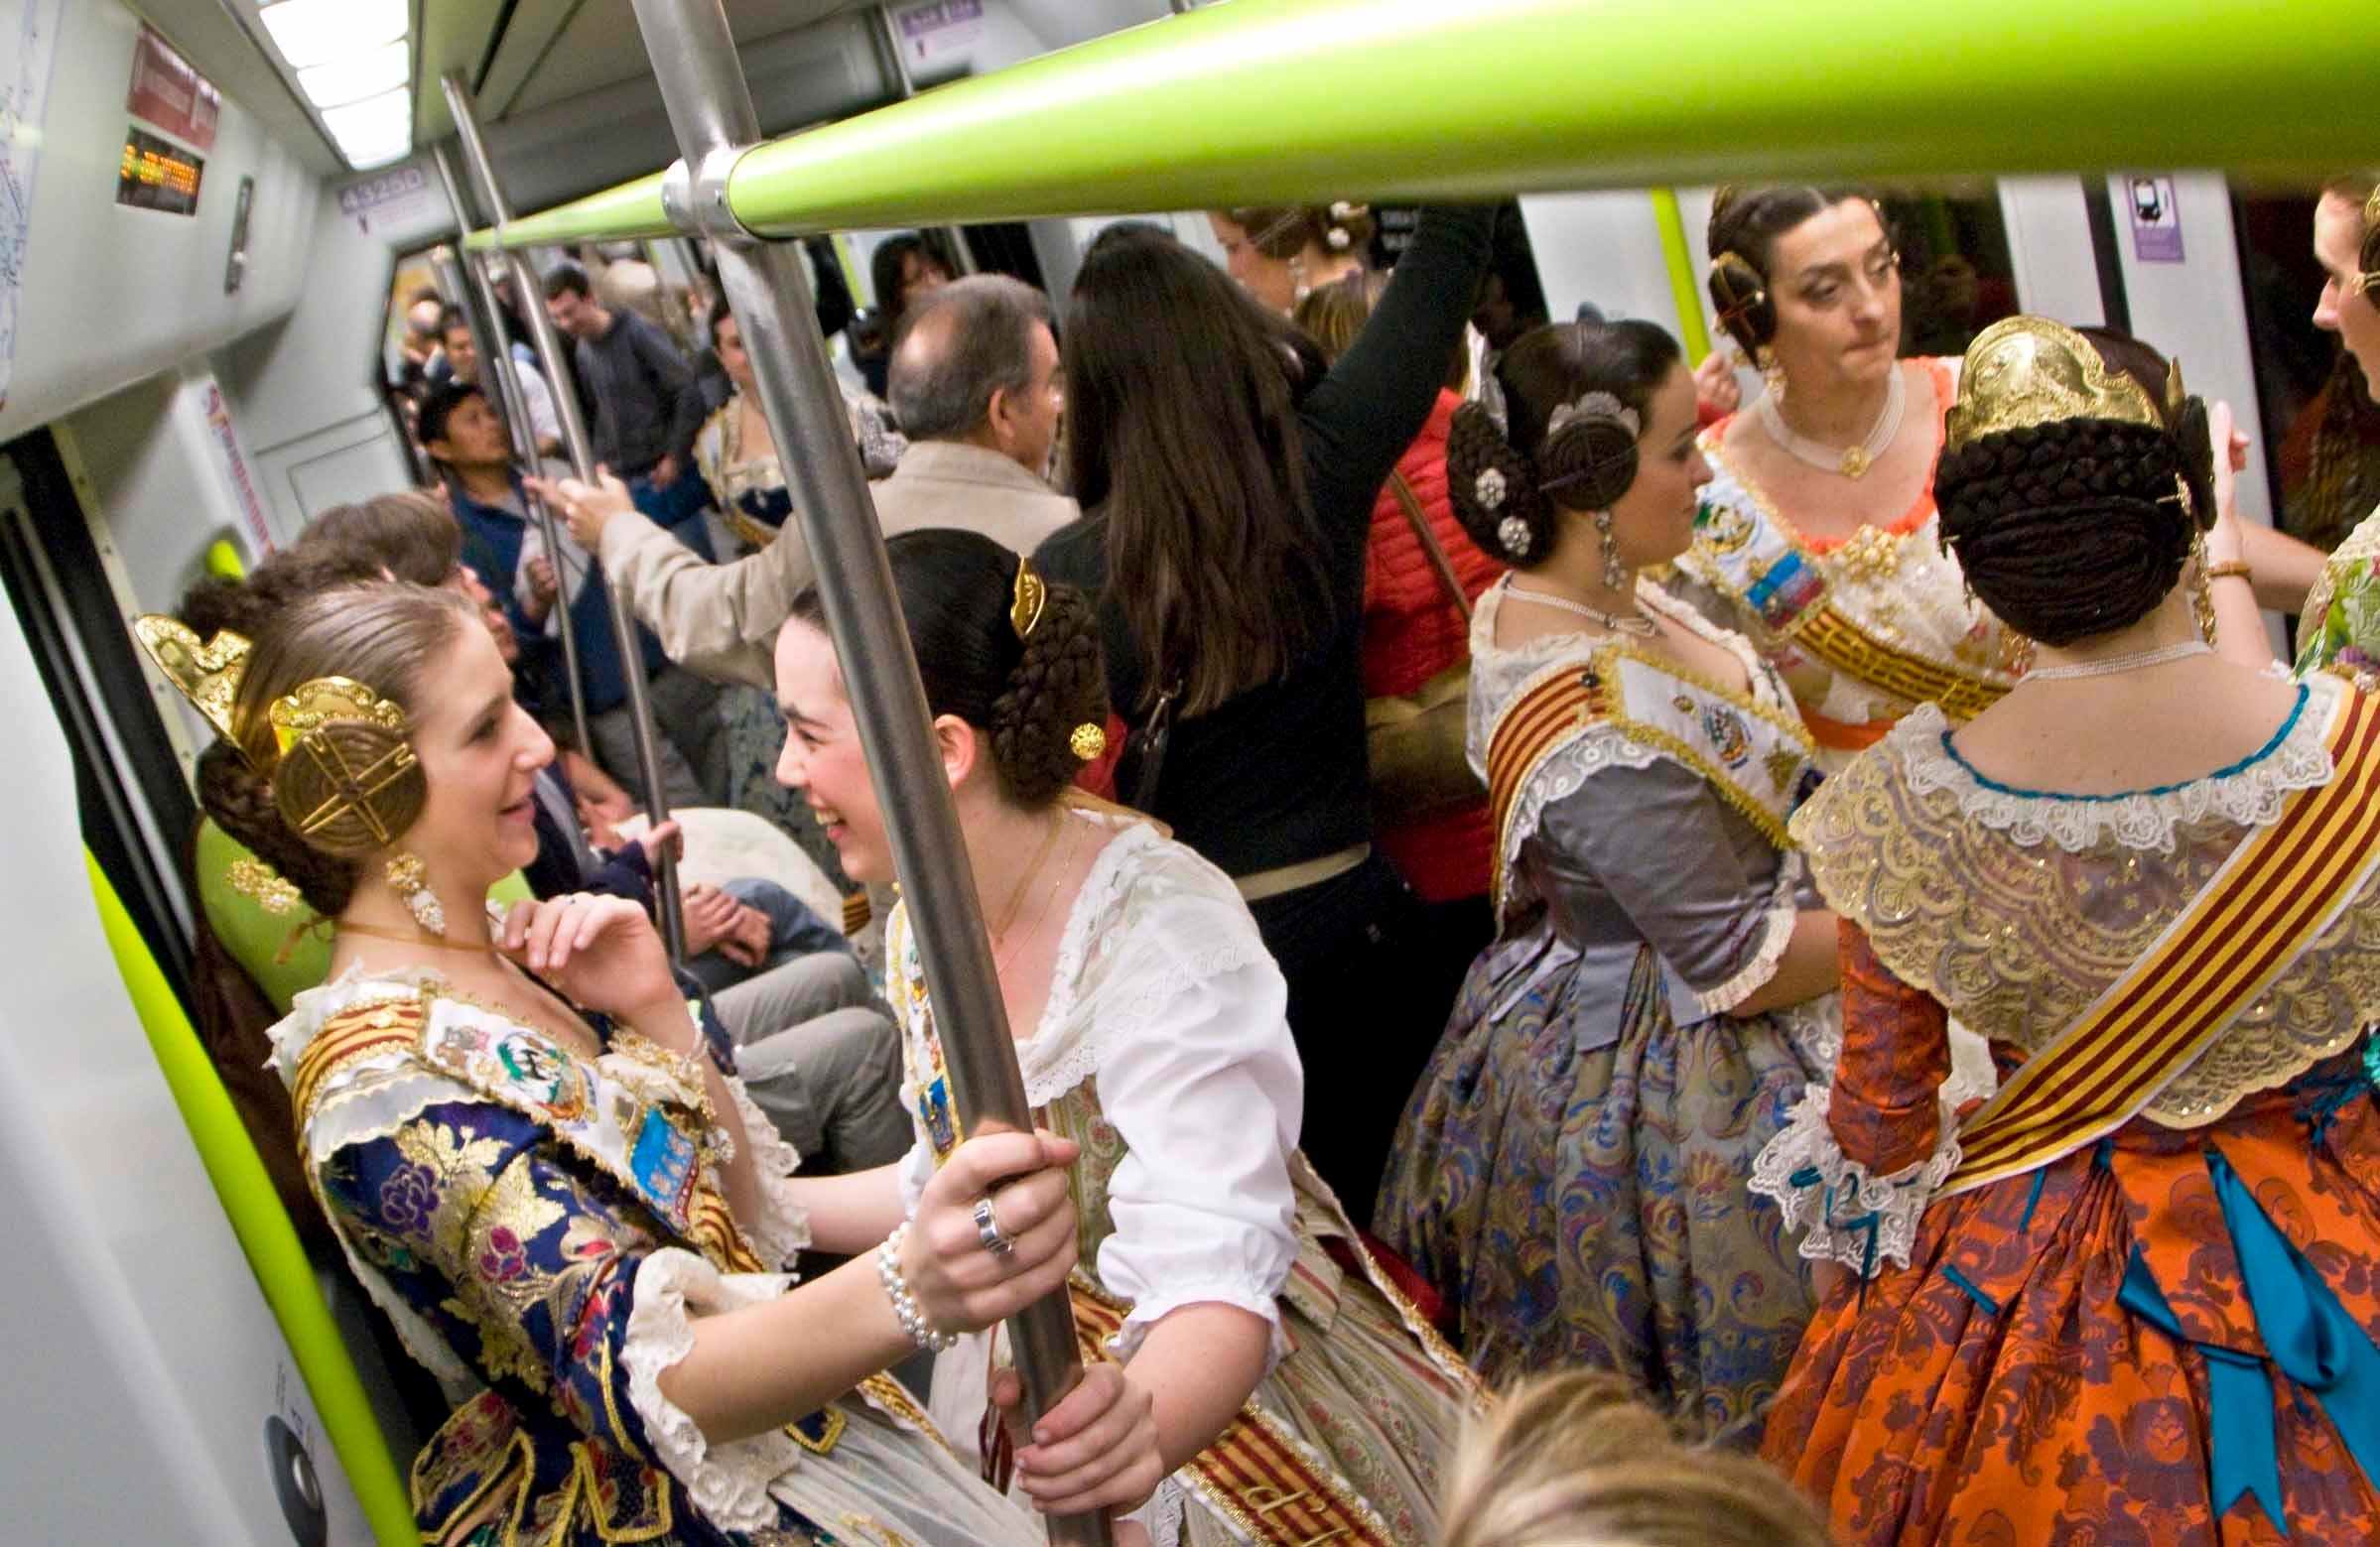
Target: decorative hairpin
{"points": [[347, 781], [207, 673], [1489, 488], [1031, 595], [1087, 742], [1594, 405]]}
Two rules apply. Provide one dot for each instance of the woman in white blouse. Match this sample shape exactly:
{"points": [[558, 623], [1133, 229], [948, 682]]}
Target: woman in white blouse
{"points": [[1282, 1387]]}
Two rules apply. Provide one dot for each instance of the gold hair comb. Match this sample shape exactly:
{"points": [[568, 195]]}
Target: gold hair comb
{"points": [[207, 673], [347, 780], [2028, 370]]}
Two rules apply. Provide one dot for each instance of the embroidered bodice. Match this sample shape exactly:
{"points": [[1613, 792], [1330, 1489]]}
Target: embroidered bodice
{"points": [[1863, 629], [752, 490], [2016, 910], [2340, 628]]}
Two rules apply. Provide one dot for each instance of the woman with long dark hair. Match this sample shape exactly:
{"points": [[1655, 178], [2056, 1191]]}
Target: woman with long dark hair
{"points": [[1228, 481]]}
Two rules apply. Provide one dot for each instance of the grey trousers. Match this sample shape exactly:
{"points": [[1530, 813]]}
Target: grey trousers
{"points": [[820, 1056], [689, 738]]}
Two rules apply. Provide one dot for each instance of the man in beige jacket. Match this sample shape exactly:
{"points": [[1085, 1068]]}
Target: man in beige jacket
{"points": [[975, 384]]}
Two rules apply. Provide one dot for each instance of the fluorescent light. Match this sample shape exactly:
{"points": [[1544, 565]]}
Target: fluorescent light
{"points": [[375, 130], [356, 77], [316, 32]]}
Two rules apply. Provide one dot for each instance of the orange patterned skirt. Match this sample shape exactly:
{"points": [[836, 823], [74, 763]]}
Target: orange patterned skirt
{"points": [[2049, 1368]]}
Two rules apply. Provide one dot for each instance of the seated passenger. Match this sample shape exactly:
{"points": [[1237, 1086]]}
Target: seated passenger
{"points": [[462, 433], [976, 389], [537, 1168], [1271, 1355], [1573, 1170], [2134, 1296], [812, 1041], [1230, 481]]}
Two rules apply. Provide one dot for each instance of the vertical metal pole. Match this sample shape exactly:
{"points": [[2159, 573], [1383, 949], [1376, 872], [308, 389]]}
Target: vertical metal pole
{"points": [[497, 366], [711, 110], [896, 64], [624, 636]]}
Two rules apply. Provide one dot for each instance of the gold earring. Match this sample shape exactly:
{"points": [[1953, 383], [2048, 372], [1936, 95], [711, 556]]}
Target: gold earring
{"points": [[409, 878], [2201, 598], [2015, 652], [1772, 373]]}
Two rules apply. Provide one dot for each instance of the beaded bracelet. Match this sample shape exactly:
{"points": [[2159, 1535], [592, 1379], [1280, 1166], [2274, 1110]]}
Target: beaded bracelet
{"points": [[904, 1305]]}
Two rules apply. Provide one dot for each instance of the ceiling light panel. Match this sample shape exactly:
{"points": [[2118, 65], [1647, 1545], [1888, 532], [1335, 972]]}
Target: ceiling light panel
{"points": [[369, 72], [375, 130], [320, 31]]}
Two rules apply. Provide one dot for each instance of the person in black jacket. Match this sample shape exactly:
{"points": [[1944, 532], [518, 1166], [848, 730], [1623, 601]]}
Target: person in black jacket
{"points": [[1228, 481]]}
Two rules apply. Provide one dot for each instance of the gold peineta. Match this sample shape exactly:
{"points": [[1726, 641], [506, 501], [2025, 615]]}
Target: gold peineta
{"points": [[206, 674], [2025, 372]]}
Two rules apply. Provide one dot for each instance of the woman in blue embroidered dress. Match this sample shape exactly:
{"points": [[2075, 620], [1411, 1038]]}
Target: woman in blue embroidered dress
{"points": [[539, 1170], [1572, 1169]]}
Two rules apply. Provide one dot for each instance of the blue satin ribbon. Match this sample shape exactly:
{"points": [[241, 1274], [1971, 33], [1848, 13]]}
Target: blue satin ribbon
{"points": [[2240, 1448], [2309, 1334]]}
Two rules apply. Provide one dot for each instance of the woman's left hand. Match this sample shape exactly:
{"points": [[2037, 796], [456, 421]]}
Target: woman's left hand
{"points": [[1096, 1450]]}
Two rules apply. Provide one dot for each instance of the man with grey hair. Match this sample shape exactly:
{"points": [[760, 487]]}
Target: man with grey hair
{"points": [[975, 387]]}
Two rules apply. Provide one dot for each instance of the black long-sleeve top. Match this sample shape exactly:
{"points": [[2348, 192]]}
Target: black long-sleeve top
{"points": [[1276, 776], [645, 402]]}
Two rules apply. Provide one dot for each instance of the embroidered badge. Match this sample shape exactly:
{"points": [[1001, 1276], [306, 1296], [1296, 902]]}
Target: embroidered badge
{"points": [[1730, 737], [1784, 590], [661, 1160]]}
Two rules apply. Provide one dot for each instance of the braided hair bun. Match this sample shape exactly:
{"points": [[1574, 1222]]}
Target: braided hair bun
{"points": [[1493, 490], [2073, 528], [1025, 671]]}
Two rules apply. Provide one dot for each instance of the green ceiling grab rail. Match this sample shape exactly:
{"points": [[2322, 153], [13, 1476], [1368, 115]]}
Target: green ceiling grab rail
{"points": [[1262, 101]]}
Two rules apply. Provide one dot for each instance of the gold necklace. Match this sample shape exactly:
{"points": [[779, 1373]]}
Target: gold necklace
{"points": [[417, 937], [1025, 878], [1001, 957]]}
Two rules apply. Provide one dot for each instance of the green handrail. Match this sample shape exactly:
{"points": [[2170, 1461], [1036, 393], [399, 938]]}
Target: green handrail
{"points": [[266, 1237], [1263, 101]]}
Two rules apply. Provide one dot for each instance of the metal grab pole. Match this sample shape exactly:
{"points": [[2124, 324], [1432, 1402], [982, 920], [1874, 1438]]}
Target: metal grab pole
{"points": [[889, 48], [711, 110], [496, 364], [559, 382]]}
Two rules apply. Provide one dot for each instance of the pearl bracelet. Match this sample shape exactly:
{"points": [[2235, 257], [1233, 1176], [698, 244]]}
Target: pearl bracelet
{"points": [[904, 1305]]}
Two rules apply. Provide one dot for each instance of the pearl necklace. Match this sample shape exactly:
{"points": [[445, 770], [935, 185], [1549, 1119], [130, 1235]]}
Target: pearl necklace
{"points": [[2138, 660], [1851, 460], [1633, 622]]}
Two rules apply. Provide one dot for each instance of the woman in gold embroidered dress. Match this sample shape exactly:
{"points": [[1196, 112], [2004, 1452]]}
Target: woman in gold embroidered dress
{"points": [[2340, 628], [1571, 1168], [1289, 1393], [541, 1172], [2135, 1295]]}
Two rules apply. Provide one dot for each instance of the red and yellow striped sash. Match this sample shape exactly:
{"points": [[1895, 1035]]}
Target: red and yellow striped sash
{"points": [[1257, 1475], [361, 1031], [1538, 722], [2272, 900]]}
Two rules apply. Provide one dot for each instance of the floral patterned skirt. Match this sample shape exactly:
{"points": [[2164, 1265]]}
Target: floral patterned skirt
{"points": [[2083, 1353], [1591, 1207]]}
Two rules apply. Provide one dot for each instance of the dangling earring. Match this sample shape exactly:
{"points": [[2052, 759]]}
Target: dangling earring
{"points": [[1615, 572], [2015, 652], [1297, 276], [1772, 373], [407, 876]]}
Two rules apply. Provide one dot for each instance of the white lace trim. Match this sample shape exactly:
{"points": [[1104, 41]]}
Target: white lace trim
{"points": [[1162, 1516], [783, 1228], [2250, 796], [1851, 1216], [1066, 1048], [1776, 935], [728, 1482]]}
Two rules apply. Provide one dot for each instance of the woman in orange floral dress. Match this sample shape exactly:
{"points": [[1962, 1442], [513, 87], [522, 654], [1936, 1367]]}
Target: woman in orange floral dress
{"points": [[2133, 1296]]}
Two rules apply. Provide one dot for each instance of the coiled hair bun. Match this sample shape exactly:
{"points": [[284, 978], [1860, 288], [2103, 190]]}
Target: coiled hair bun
{"points": [[1028, 694], [1508, 486], [1281, 232], [2074, 528]]}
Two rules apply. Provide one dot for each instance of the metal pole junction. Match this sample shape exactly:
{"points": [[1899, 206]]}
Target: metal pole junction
{"points": [[575, 439], [767, 284]]}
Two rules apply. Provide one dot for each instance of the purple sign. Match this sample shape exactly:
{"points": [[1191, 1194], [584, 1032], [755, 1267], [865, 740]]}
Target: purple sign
{"points": [[2156, 218]]}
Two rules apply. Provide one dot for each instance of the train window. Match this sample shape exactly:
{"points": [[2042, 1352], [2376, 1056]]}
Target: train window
{"points": [[2321, 429], [1957, 274]]}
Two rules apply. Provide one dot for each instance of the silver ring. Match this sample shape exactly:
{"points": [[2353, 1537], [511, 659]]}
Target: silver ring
{"points": [[995, 1240]]}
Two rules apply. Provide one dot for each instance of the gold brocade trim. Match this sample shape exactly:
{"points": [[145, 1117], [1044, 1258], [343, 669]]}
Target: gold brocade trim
{"points": [[584, 1486], [503, 1468], [1845, 646], [889, 1397]]}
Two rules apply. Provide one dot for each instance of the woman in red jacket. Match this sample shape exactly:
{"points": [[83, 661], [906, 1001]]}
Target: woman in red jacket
{"points": [[1416, 641]]}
